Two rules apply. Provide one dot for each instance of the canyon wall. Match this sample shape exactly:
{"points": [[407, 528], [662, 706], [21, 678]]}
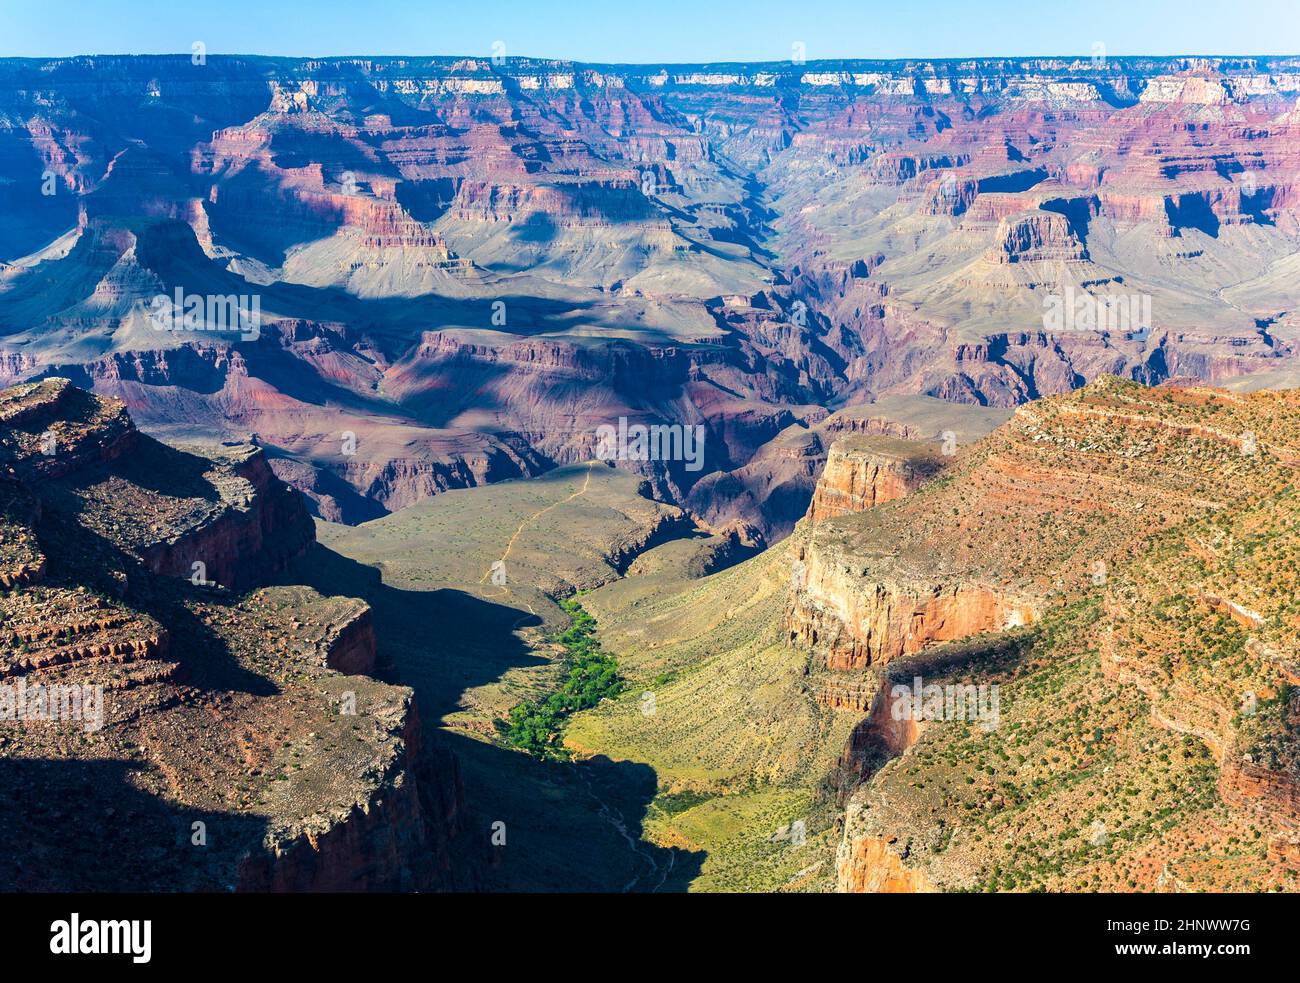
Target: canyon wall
{"points": [[249, 706], [1110, 606], [464, 268], [862, 473]]}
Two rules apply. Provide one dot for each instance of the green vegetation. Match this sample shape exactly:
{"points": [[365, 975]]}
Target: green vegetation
{"points": [[537, 726]]}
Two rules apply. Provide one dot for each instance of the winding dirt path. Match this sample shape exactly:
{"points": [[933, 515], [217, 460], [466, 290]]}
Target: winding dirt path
{"points": [[505, 591], [530, 520]]}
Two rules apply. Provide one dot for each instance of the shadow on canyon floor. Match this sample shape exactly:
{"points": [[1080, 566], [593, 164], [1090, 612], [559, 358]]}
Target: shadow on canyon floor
{"points": [[567, 826], [91, 828]]}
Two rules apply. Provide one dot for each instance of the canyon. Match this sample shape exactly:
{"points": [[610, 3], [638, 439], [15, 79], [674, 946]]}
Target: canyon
{"points": [[994, 363], [1106, 580], [465, 267]]}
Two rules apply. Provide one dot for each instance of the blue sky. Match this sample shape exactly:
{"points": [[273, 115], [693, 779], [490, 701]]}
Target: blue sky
{"points": [[652, 30]]}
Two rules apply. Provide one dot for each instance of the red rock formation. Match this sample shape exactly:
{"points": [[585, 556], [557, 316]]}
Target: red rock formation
{"points": [[1213, 573], [872, 865], [855, 623], [234, 705], [260, 528], [1036, 237], [862, 473]]}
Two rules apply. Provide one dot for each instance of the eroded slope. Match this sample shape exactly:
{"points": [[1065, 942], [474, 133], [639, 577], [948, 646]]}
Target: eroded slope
{"points": [[219, 740]]}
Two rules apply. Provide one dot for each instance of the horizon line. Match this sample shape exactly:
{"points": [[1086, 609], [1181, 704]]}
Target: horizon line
{"points": [[775, 63]]}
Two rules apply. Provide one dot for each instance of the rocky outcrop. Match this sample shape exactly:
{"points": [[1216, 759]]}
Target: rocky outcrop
{"points": [[256, 530], [1132, 634], [1037, 237], [395, 838], [854, 619], [875, 865], [665, 525], [54, 429], [247, 713], [861, 473]]}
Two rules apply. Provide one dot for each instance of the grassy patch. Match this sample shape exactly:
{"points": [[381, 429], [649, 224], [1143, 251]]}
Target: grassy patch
{"points": [[537, 726], [745, 840]]}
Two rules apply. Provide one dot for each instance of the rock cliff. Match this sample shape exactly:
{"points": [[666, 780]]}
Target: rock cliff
{"points": [[861, 473], [228, 735], [1124, 592]]}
